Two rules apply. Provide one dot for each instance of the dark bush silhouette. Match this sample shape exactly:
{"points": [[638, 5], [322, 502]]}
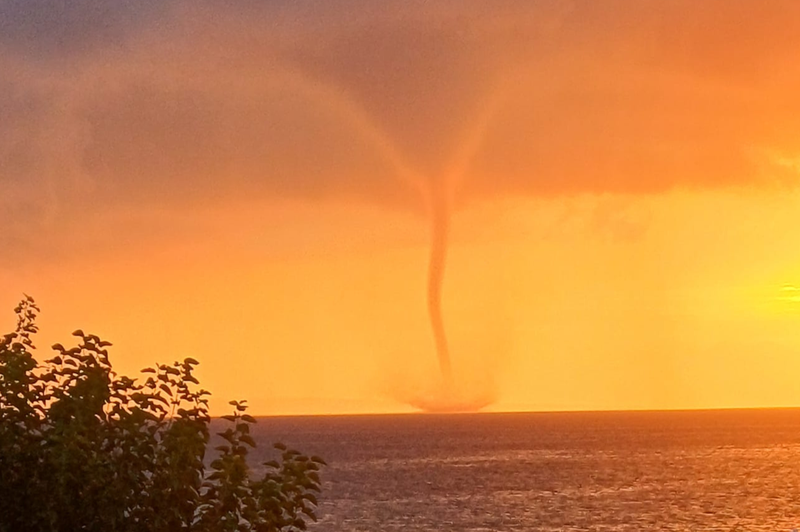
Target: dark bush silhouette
{"points": [[82, 448]]}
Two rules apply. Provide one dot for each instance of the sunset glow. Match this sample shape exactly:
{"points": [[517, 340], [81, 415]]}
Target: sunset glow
{"points": [[613, 191]]}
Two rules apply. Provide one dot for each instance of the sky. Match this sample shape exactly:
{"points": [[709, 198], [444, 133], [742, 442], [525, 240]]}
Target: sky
{"points": [[253, 184]]}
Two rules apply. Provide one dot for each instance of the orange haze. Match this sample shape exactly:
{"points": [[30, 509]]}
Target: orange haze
{"points": [[253, 185]]}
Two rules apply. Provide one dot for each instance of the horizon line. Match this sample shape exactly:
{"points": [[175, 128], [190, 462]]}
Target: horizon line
{"points": [[544, 412]]}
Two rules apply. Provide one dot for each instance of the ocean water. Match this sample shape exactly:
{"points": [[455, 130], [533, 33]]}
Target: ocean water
{"points": [[616, 471]]}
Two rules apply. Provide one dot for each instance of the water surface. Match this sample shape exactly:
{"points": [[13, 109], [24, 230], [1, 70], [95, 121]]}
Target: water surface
{"points": [[615, 471]]}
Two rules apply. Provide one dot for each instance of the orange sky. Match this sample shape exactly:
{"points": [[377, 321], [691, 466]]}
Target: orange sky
{"points": [[249, 186]]}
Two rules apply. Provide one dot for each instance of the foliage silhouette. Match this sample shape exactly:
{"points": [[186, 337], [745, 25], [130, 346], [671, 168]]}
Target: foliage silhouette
{"points": [[82, 448]]}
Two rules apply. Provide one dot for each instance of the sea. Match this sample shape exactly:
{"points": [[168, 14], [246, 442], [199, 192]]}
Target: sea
{"points": [[731, 470]]}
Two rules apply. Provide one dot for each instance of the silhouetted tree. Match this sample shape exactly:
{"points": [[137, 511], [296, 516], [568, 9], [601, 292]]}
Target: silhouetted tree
{"points": [[82, 448]]}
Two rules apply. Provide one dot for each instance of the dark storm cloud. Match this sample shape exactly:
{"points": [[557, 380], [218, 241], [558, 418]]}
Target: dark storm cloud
{"points": [[21, 114], [145, 139], [48, 29], [114, 101]]}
